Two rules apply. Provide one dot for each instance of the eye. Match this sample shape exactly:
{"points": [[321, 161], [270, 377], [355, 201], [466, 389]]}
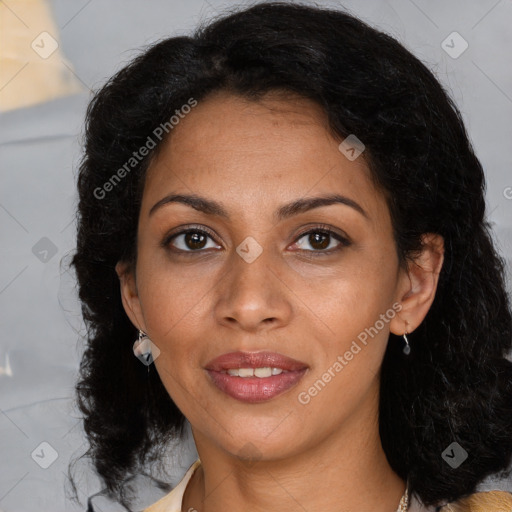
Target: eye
{"points": [[322, 240], [189, 240]]}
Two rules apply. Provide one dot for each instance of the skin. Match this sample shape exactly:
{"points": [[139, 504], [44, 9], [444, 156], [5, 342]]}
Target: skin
{"points": [[253, 157]]}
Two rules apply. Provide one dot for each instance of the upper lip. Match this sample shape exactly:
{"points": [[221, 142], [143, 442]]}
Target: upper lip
{"points": [[254, 360]]}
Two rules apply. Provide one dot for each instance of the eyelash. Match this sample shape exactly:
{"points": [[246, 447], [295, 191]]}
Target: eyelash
{"points": [[324, 230]]}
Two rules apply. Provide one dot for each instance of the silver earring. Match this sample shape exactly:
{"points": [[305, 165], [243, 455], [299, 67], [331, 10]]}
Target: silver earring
{"points": [[142, 348], [407, 348]]}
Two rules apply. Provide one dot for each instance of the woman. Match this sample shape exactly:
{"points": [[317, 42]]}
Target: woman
{"points": [[285, 213]]}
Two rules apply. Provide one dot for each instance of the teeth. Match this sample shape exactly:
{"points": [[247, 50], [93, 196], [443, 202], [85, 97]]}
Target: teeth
{"points": [[255, 372], [263, 372]]}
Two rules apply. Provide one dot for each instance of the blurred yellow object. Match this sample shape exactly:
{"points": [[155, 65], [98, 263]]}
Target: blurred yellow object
{"points": [[32, 67], [489, 501]]}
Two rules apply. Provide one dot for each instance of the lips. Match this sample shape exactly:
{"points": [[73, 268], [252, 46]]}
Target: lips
{"points": [[254, 360], [260, 385]]}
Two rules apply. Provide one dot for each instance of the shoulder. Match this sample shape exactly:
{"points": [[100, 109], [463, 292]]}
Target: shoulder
{"points": [[489, 501]]}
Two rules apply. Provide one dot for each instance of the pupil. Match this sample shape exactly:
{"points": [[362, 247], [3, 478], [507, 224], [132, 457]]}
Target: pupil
{"points": [[313, 239], [193, 240]]}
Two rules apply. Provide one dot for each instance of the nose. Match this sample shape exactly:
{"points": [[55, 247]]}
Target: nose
{"points": [[253, 296]]}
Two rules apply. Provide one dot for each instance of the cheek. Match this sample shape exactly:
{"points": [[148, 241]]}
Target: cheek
{"points": [[171, 294], [352, 295], [172, 304], [354, 331], [348, 357], [355, 308]]}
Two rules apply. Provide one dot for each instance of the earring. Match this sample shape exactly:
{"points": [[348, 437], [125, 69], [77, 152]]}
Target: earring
{"points": [[143, 349], [407, 348]]}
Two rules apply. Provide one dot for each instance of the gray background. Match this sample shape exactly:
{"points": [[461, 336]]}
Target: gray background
{"points": [[40, 345]]}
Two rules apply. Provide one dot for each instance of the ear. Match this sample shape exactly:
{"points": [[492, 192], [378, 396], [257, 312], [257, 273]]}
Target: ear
{"points": [[418, 284], [129, 294]]}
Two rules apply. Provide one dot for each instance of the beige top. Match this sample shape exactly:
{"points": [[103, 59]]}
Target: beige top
{"points": [[173, 501]]}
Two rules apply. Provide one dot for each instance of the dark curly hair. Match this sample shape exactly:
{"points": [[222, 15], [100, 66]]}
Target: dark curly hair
{"points": [[457, 383]]}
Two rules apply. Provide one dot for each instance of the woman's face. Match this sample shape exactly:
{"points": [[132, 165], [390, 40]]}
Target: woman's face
{"points": [[251, 280]]}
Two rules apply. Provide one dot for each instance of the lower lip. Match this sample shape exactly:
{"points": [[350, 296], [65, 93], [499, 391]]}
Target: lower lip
{"points": [[255, 389]]}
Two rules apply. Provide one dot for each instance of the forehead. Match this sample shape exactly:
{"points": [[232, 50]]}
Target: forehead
{"points": [[239, 148]]}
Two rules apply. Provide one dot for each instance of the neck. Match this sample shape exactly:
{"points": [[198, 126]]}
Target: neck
{"points": [[347, 472]]}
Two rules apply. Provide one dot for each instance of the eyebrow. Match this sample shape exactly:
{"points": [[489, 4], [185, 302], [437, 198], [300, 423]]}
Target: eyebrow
{"points": [[211, 207]]}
